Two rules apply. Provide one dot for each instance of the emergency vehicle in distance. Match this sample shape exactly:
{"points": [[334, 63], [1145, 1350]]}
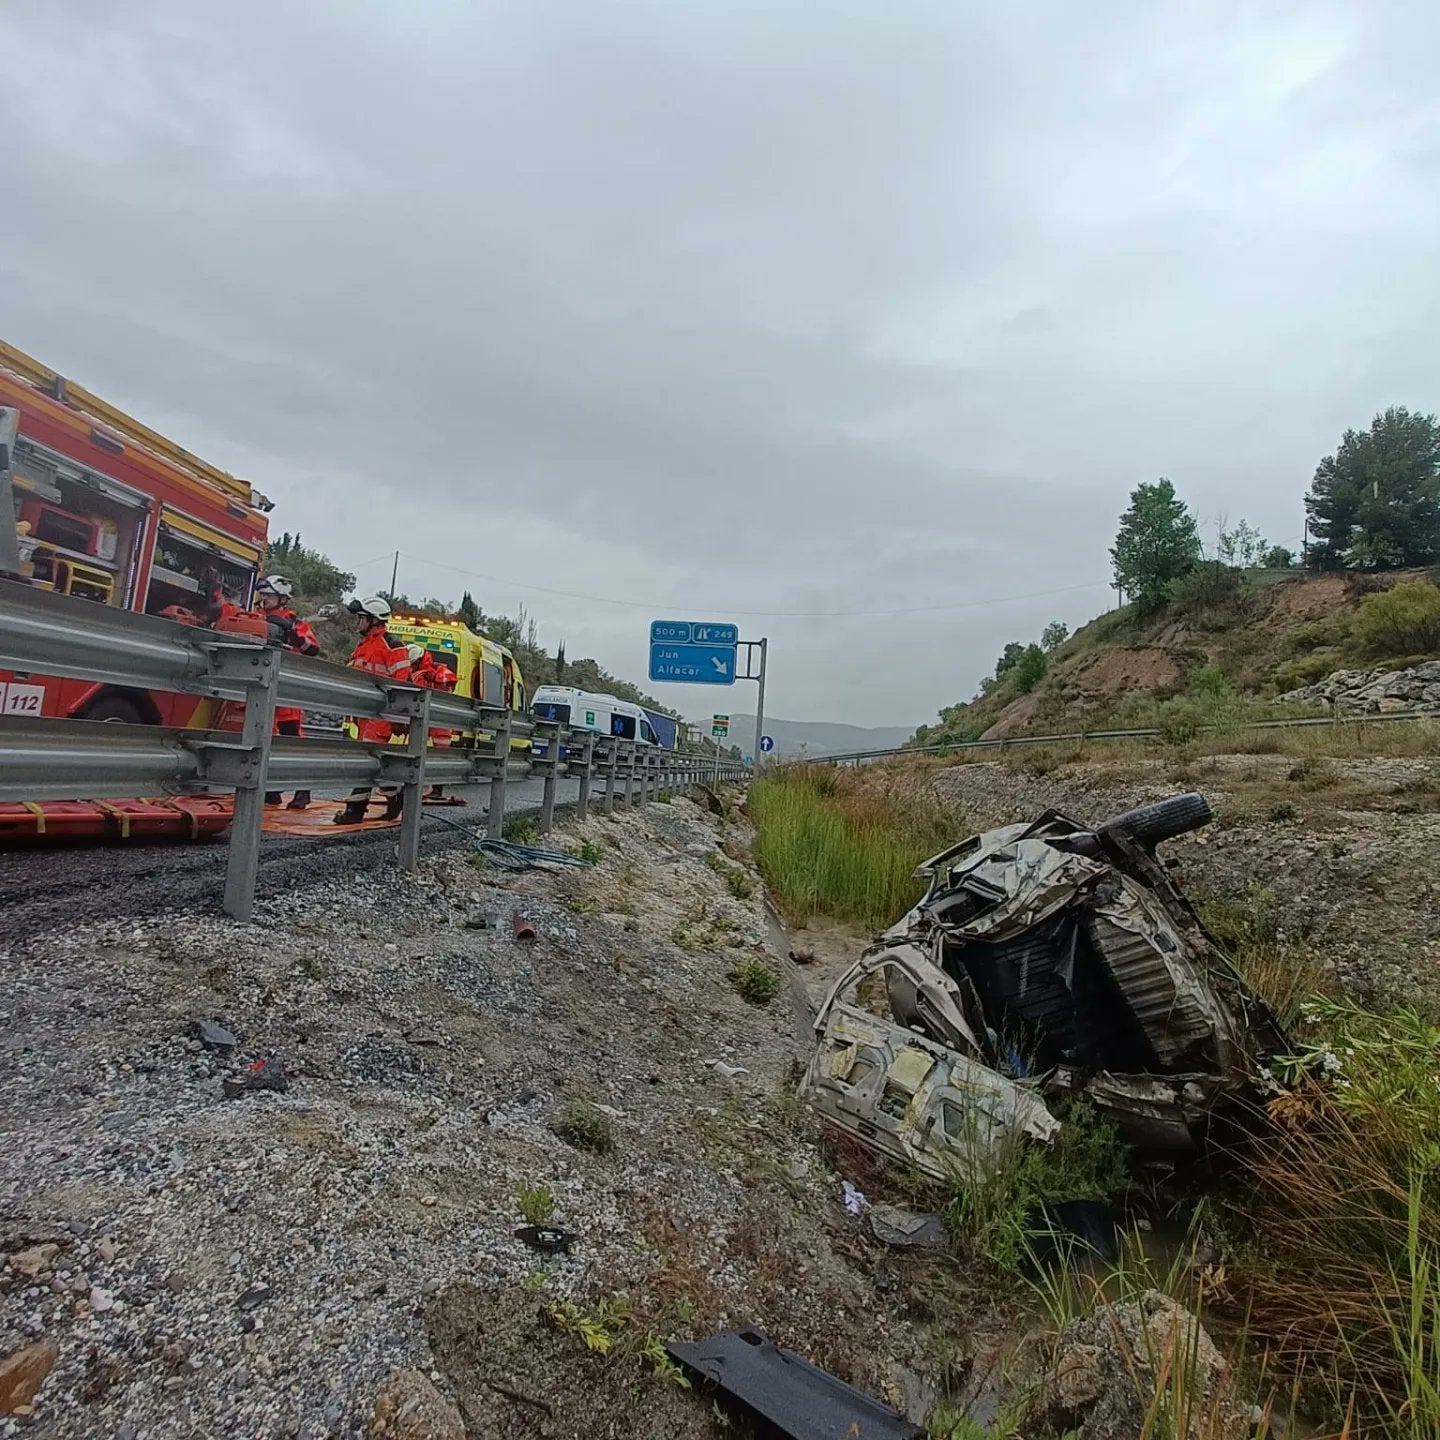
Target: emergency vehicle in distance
{"points": [[485, 671], [109, 511], [599, 714]]}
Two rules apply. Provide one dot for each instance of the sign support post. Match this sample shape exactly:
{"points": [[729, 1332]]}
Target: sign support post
{"points": [[760, 700]]}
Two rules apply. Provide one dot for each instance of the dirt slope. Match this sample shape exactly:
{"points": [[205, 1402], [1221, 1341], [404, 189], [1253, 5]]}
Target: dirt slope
{"points": [[1250, 637], [256, 1267]]}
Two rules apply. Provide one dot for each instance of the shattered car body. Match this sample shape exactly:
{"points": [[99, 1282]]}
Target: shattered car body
{"points": [[1044, 960]]}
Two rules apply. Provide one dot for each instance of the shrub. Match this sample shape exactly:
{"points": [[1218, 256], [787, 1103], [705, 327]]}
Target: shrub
{"points": [[1307, 670], [520, 829], [1029, 670], [582, 1125], [756, 981], [739, 883], [592, 852], [1404, 620], [1211, 585], [537, 1206]]}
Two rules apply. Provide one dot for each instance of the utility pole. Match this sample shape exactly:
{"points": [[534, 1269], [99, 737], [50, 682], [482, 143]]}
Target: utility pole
{"points": [[394, 575]]}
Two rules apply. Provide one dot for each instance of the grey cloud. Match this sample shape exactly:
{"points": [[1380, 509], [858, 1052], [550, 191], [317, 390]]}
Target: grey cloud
{"points": [[860, 307]]}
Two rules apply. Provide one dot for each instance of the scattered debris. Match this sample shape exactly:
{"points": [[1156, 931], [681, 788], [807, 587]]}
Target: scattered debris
{"points": [[551, 1239], [1044, 950], [799, 1399], [730, 1072], [214, 1036], [23, 1373], [906, 1229], [480, 922], [854, 1200], [265, 1074], [524, 927], [424, 1037], [254, 1297]]}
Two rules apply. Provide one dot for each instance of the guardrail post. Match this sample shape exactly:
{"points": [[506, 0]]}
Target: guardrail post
{"points": [[587, 760], [612, 763], [629, 774], [242, 865], [495, 820], [550, 732], [415, 704]]}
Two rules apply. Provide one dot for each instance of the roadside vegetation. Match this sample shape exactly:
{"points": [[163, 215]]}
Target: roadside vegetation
{"points": [[829, 844]]}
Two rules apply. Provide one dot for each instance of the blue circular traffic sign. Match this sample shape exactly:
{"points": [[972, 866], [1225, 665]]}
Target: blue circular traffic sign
{"points": [[766, 744]]}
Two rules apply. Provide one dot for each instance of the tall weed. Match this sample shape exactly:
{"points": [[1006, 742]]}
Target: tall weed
{"points": [[831, 844]]}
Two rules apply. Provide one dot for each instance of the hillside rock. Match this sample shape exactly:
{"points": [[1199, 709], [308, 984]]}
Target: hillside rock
{"points": [[1375, 692], [1108, 1366]]}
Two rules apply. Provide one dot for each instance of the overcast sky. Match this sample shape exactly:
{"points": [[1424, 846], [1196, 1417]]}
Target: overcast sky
{"points": [[769, 313]]}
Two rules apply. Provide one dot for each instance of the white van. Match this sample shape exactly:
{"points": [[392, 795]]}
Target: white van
{"points": [[599, 714]]}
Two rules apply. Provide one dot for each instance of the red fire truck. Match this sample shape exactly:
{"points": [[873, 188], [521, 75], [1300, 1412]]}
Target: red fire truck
{"points": [[109, 511]]}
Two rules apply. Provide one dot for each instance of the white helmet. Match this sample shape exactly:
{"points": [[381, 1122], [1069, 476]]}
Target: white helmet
{"points": [[372, 605], [415, 652], [275, 585]]}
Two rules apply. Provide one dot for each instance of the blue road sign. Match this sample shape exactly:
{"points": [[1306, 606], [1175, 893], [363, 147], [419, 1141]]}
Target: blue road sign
{"points": [[703, 634], [766, 744], [670, 632], [693, 664]]}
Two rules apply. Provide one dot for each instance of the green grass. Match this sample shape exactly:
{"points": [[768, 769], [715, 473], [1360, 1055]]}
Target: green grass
{"points": [[520, 829], [827, 844], [582, 1125], [537, 1204], [998, 1210], [592, 852]]}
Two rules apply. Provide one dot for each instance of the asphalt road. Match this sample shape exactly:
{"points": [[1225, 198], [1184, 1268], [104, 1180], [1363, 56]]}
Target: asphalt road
{"points": [[52, 886]]}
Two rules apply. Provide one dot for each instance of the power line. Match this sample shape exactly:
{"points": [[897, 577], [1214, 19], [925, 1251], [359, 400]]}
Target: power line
{"points": [[765, 614]]}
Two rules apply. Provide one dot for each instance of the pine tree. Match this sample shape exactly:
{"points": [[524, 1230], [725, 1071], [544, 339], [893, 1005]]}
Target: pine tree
{"points": [[1375, 502]]}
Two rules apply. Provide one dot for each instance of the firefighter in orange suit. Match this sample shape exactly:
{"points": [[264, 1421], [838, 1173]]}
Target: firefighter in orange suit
{"points": [[286, 628], [424, 670], [379, 654]]}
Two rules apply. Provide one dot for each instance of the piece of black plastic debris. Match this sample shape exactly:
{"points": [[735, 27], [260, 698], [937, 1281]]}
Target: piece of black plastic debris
{"points": [[552, 1239], [254, 1297], [214, 1036], [479, 922], [424, 1037], [266, 1074], [799, 1399], [907, 1229]]}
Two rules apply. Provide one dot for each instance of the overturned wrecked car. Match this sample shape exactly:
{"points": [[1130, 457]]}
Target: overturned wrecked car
{"points": [[1045, 960]]}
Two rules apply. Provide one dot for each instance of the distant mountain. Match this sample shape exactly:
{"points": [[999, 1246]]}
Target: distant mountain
{"points": [[811, 737]]}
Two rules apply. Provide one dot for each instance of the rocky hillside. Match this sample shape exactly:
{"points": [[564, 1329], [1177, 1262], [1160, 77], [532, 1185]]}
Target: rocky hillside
{"points": [[1249, 639]]}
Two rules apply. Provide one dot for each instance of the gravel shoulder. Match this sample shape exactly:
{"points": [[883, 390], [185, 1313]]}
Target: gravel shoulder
{"points": [[258, 1266]]}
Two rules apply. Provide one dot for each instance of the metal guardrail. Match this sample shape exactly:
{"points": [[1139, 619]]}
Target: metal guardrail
{"points": [[1010, 742], [50, 634]]}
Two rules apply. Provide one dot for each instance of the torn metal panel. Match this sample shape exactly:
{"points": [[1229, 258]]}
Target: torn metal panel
{"points": [[799, 1399], [908, 1095]]}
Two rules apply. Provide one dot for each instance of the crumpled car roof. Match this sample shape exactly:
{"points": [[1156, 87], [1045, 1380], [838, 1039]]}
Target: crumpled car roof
{"points": [[1058, 959]]}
